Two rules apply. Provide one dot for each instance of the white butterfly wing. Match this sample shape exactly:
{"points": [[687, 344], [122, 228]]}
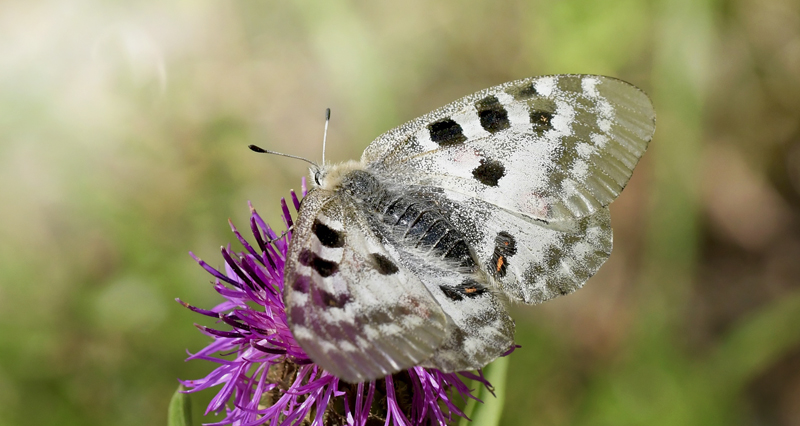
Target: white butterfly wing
{"points": [[479, 328], [524, 170], [531, 261], [351, 306], [553, 148]]}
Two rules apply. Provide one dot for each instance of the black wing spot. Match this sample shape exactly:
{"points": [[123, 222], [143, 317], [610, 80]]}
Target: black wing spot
{"points": [[505, 246], [541, 120], [323, 298], [494, 117], [451, 293], [469, 288], [328, 236], [383, 264], [301, 284], [297, 315], [522, 93], [324, 268], [489, 172], [446, 132]]}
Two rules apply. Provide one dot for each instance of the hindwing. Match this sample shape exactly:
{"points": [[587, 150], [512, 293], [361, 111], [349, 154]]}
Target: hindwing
{"points": [[531, 261]]}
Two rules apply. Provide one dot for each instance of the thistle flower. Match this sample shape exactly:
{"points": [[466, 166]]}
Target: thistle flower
{"points": [[267, 376]]}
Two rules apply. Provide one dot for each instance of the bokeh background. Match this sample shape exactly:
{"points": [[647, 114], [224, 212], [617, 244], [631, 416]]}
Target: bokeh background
{"points": [[123, 134]]}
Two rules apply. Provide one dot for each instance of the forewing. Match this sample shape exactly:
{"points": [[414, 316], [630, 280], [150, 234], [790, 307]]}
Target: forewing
{"points": [[355, 310], [555, 148]]}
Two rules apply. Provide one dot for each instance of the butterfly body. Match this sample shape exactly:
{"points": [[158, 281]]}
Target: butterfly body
{"points": [[410, 218], [409, 256]]}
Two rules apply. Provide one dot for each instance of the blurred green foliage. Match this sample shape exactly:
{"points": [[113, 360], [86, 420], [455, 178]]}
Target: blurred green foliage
{"points": [[124, 128]]}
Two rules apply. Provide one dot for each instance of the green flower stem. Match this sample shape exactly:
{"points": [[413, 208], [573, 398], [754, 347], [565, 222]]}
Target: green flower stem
{"points": [[490, 412], [179, 412]]}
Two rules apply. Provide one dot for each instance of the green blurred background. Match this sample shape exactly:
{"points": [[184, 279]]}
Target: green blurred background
{"points": [[123, 134]]}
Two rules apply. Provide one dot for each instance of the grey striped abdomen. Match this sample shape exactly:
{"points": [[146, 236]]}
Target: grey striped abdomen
{"points": [[418, 222], [424, 226]]}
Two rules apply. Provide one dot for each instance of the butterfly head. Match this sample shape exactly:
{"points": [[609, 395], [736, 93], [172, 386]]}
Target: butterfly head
{"points": [[316, 173], [330, 177]]}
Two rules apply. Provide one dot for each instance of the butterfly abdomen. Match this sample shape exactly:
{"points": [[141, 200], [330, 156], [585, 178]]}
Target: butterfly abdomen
{"points": [[423, 225], [418, 222]]}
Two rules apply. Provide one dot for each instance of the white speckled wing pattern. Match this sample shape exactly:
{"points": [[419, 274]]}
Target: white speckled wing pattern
{"points": [[353, 308], [479, 328], [531, 261], [555, 148], [407, 258], [527, 170]]}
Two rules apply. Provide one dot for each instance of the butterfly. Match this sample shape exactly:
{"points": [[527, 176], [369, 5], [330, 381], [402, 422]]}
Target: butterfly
{"points": [[410, 256]]}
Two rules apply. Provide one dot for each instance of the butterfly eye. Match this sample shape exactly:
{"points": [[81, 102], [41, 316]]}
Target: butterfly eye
{"points": [[317, 176]]}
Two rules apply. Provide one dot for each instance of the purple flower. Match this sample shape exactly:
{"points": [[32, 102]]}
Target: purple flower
{"points": [[267, 377]]}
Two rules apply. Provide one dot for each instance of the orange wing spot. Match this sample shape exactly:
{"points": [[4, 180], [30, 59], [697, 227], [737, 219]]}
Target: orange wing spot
{"points": [[470, 290], [500, 262]]}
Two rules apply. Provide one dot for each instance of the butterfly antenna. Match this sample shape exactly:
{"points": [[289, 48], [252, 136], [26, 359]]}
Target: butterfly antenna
{"points": [[260, 150], [325, 134]]}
